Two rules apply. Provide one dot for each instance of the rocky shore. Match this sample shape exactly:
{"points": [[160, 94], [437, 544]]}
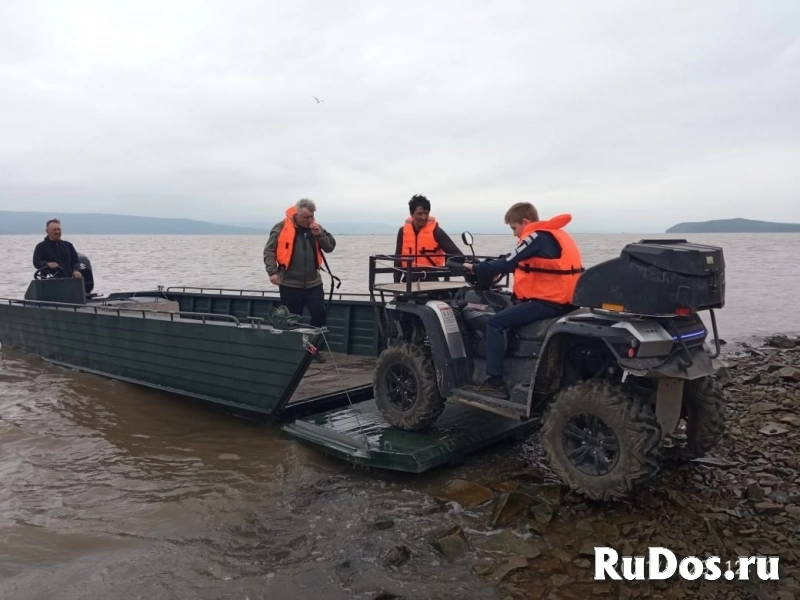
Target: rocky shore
{"points": [[521, 533]]}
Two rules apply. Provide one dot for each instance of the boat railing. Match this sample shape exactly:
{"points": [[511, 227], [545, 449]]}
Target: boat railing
{"points": [[261, 293], [162, 315]]}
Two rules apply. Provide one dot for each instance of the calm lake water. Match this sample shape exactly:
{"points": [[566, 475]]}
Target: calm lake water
{"points": [[112, 491], [762, 285]]}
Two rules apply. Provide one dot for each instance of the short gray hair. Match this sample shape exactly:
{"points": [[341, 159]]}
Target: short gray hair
{"points": [[306, 203]]}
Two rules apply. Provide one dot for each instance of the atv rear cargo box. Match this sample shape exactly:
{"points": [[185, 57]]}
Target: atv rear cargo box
{"points": [[656, 277]]}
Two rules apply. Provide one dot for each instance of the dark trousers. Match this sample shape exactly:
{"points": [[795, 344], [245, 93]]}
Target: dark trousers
{"points": [[296, 299], [508, 318]]}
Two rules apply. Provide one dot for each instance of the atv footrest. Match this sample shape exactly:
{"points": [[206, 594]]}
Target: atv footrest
{"points": [[505, 408]]}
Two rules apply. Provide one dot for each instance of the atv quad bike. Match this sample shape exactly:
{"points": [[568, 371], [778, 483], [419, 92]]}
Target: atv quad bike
{"points": [[618, 383]]}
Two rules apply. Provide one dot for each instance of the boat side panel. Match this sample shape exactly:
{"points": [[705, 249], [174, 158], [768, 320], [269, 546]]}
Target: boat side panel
{"points": [[353, 325], [251, 368]]}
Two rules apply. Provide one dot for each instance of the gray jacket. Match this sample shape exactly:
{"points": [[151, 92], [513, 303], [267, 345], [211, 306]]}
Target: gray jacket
{"points": [[302, 271]]}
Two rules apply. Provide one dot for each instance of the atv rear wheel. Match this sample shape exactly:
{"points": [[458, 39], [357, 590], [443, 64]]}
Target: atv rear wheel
{"points": [[406, 392], [601, 439], [704, 411]]}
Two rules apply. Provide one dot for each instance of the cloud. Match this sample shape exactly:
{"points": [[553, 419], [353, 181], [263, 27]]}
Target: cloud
{"points": [[625, 115]]}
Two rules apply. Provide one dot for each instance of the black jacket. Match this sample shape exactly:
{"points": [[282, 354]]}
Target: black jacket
{"points": [[61, 252]]}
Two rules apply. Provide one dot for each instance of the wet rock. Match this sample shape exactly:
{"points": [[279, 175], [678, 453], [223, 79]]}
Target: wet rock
{"points": [[510, 508], [780, 341], [603, 589], [588, 548], [756, 492], [764, 407], [532, 476], [582, 563], [552, 493], [769, 508], [398, 556], [514, 564], [606, 530], [789, 373], [792, 420], [773, 429], [558, 581], [507, 542], [467, 493], [541, 511], [384, 525], [483, 569], [547, 564], [504, 486], [452, 544]]}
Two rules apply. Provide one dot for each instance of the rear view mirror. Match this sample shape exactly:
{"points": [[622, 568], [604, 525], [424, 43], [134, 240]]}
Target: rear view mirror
{"points": [[466, 237]]}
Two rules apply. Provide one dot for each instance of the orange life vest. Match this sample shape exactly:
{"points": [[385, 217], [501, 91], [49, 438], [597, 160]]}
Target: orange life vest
{"points": [[422, 242], [550, 279], [283, 251]]}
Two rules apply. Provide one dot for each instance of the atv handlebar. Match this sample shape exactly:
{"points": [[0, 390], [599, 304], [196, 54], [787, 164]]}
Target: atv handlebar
{"points": [[456, 265]]}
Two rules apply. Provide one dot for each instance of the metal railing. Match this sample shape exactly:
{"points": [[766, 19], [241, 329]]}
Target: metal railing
{"points": [[256, 293], [97, 309]]}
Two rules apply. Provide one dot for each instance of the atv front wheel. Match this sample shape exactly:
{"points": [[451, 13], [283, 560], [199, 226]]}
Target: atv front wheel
{"points": [[601, 439], [704, 411], [406, 392]]}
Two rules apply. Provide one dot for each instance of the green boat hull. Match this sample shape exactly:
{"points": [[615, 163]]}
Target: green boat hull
{"points": [[219, 347], [245, 367]]}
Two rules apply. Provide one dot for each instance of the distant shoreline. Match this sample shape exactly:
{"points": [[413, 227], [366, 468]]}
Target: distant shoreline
{"points": [[735, 226]]}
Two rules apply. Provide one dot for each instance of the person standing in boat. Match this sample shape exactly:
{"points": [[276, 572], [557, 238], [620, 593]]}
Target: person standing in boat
{"points": [[293, 259], [55, 253], [421, 234]]}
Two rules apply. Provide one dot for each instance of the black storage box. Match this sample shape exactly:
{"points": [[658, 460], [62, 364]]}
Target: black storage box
{"points": [[656, 277], [67, 290]]}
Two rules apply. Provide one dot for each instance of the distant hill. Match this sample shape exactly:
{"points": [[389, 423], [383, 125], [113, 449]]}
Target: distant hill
{"points": [[25, 223], [735, 226]]}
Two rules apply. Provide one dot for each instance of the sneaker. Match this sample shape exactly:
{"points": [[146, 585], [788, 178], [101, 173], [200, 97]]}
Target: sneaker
{"points": [[317, 356]]}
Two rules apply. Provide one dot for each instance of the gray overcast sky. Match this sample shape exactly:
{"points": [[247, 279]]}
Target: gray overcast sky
{"points": [[629, 115]]}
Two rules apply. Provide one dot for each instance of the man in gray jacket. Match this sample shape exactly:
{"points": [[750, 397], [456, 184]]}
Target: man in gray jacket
{"points": [[293, 259]]}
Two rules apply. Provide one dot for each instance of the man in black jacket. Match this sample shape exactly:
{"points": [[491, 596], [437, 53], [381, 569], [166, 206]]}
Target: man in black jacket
{"points": [[421, 234], [55, 253]]}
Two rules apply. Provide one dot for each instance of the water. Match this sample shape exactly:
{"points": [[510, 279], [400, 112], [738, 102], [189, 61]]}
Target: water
{"points": [[762, 285], [112, 491]]}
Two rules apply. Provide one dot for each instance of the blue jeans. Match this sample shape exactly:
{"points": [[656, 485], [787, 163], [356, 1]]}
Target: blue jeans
{"points": [[508, 318]]}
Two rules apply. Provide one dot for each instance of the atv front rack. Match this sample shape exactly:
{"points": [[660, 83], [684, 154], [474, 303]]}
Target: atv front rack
{"points": [[415, 281]]}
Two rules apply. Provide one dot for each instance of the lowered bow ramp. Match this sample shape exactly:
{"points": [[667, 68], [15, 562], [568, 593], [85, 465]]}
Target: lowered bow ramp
{"points": [[360, 435]]}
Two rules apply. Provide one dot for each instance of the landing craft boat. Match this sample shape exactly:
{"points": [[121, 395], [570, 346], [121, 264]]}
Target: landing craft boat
{"points": [[608, 383], [237, 350]]}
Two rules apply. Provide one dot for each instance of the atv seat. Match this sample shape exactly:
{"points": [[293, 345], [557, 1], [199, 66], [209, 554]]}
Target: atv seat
{"points": [[536, 331]]}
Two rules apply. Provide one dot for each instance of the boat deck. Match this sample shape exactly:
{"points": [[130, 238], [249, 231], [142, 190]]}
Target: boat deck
{"points": [[338, 372]]}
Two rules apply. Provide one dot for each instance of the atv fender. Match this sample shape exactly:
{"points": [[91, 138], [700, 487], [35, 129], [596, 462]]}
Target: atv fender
{"points": [[657, 368], [446, 341]]}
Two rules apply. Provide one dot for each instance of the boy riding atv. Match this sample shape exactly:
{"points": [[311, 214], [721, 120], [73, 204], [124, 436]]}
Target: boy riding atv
{"points": [[546, 265]]}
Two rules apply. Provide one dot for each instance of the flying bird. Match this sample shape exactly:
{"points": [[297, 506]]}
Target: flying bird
{"points": [[318, 100]]}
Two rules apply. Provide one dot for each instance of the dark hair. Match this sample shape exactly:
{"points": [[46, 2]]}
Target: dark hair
{"points": [[52, 221], [418, 200]]}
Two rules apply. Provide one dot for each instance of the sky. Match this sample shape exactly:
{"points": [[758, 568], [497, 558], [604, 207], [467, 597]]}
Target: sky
{"points": [[630, 116]]}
